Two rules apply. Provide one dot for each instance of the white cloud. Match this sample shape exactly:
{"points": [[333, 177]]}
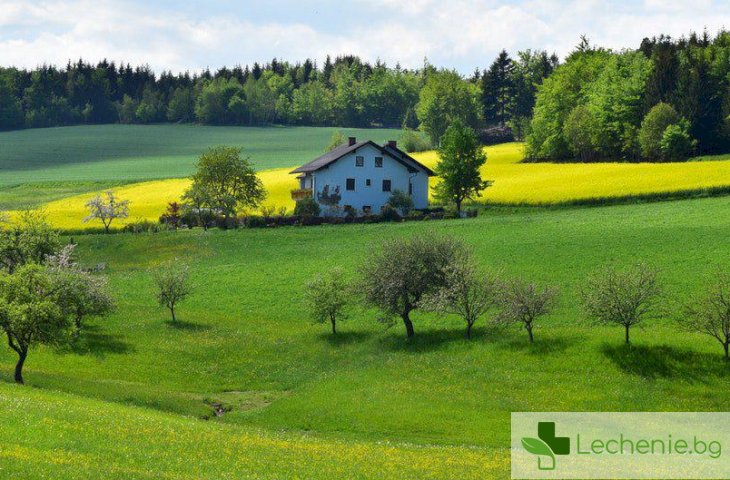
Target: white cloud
{"points": [[459, 33]]}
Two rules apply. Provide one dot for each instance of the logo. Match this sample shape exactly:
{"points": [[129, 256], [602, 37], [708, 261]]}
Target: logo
{"points": [[546, 445]]}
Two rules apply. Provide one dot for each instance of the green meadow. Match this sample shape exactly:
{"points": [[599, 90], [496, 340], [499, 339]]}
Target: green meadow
{"points": [[136, 391]]}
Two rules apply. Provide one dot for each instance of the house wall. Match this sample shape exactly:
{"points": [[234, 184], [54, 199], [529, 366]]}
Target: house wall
{"points": [[336, 174]]}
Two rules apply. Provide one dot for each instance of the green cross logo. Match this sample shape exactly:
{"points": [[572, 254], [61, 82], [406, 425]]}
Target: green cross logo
{"points": [[546, 445]]}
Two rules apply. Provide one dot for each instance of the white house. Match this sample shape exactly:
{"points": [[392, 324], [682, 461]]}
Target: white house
{"points": [[362, 176]]}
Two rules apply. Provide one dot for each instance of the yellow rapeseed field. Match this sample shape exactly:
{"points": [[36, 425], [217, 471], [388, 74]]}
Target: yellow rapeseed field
{"points": [[514, 183]]}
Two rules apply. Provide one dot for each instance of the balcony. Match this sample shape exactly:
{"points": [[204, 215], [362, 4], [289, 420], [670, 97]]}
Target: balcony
{"points": [[301, 193]]}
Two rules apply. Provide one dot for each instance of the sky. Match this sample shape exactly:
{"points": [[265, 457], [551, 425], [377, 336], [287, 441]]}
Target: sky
{"points": [[462, 34]]}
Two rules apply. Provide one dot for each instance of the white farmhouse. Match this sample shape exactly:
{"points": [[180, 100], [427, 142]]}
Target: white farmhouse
{"points": [[362, 176]]}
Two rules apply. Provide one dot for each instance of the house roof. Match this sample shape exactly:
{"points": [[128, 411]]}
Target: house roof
{"points": [[339, 152]]}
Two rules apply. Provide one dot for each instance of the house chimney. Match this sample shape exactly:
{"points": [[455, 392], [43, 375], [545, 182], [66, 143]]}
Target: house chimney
{"points": [[351, 141], [392, 144]]}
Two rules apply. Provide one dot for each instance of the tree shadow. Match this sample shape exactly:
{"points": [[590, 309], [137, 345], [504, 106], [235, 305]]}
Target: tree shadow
{"points": [[94, 341], [544, 343], [664, 361], [428, 340], [187, 326], [344, 338]]}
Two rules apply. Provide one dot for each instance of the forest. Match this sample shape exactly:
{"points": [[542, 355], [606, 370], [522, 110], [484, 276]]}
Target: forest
{"points": [[346, 92], [664, 101]]}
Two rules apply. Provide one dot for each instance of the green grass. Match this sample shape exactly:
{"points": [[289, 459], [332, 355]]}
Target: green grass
{"points": [[245, 342], [144, 152], [82, 438]]}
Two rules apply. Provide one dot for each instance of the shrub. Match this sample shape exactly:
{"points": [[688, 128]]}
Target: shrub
{"points": [[307, 207], [401, 201], [390, 214], [254, 221], [652, 129], [141, 225], [676, 143], [415, 215], [412, 141]]}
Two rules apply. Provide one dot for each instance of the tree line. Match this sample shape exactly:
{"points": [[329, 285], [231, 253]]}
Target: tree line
{"points": [[344, 91], [440, 274], [664, 101]]}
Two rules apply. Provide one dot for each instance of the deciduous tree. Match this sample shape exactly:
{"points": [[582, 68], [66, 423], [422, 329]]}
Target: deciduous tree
{"points": [[228, 180], [173, 285], [524, 302], [623, 297], [30, 313], [710, 313], [106, 208], [461, 157], [402, 271], [327, 297]]}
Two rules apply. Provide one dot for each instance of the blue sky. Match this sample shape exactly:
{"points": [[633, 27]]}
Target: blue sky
{"points": [[461, 34]]}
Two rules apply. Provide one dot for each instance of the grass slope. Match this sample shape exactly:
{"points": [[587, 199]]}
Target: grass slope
{"points": [[244, 341], [67, 442]]}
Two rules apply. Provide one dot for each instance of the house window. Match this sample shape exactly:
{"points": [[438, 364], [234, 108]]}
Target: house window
{"points": [[386, 185], [368, 182], [350, 185], [359, 161], [379, 162], [410, 188], [367, 209]]}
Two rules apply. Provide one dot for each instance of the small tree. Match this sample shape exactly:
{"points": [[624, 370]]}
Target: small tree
{"points": [[710, 314], [624, 297], [677, 143], [336, 140], [467, 293], [30, 240], [29, 312], [197, 199], [107, 208], [327, 298], [80, 293], [461, 157], [173, 285], [401, 201], [229, 181], [307, 207], [652, 129], [403, 271], [524, 302], [172, 216]]}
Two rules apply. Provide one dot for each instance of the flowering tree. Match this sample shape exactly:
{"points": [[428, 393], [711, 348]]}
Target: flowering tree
{"points": [[107, 208]]}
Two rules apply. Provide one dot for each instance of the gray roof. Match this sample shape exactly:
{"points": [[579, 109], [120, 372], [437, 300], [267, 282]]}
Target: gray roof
{"points": [[339, 152]]}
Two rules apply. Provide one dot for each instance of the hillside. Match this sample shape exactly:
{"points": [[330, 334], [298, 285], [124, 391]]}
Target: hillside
{"points": [[137, 443], [244, 341]]}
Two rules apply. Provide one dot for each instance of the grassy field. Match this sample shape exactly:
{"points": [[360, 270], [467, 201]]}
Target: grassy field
{"points": [[138, 443], [244, 342]]}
